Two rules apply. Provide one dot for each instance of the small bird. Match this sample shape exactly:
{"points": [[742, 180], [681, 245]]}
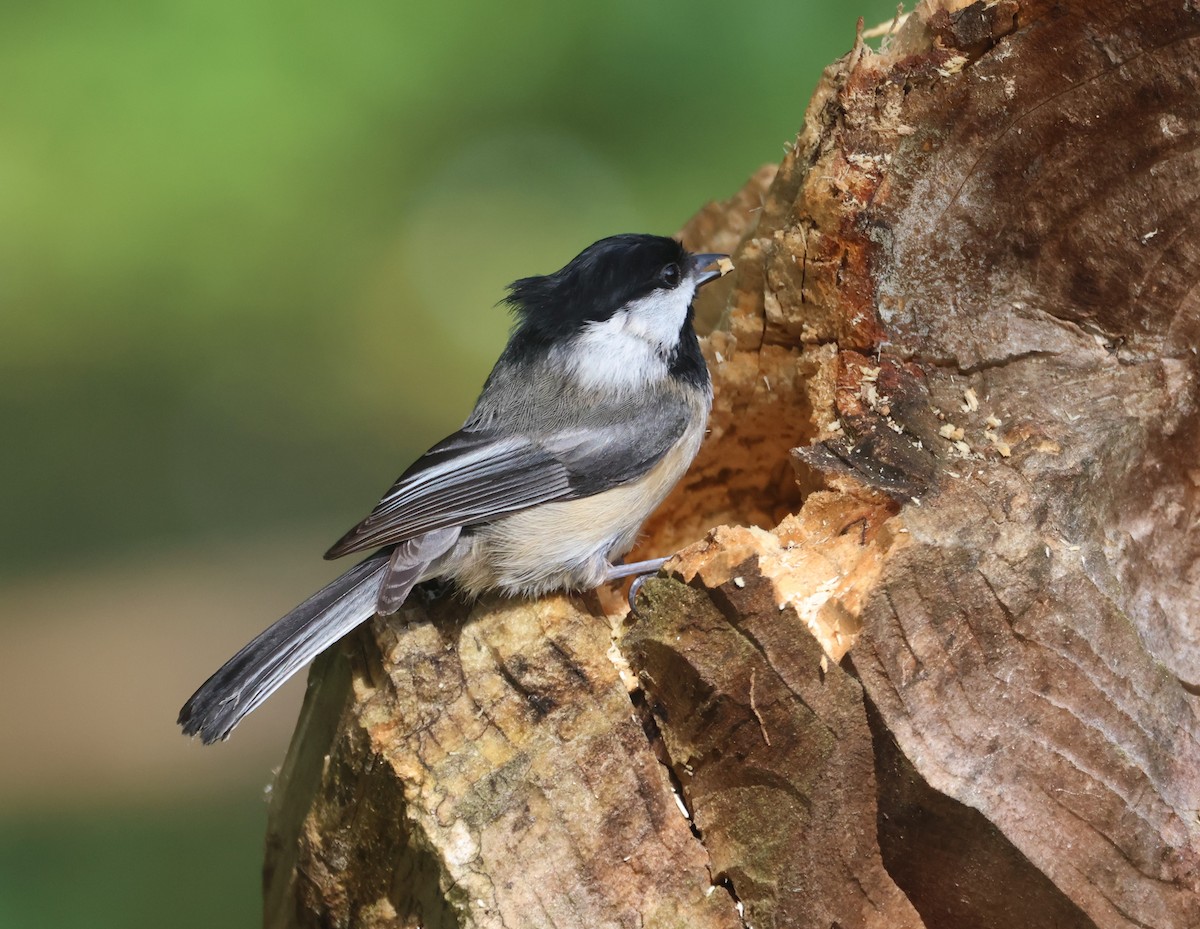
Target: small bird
{"points": [[593, 412]]}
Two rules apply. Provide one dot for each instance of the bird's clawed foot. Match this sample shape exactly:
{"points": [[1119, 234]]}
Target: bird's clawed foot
{"points": [[633, 591], [639, 570]]}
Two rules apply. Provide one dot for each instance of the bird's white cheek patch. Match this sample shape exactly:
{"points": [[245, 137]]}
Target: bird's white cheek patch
{"points": [[631, 348], [658, 317], [607, 356]]}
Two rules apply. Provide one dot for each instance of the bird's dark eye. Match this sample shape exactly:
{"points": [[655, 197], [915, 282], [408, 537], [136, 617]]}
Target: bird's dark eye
{"points": [[670, 275]]}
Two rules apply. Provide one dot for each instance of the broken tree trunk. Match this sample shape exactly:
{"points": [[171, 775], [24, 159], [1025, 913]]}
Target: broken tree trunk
{"points": [[940, 666]]}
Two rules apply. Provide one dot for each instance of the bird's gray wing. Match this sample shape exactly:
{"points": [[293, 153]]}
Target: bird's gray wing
{"points": [[477, 475]]}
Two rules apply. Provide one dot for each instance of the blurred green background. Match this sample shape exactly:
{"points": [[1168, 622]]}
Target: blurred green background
{"points": [[249, 256]]}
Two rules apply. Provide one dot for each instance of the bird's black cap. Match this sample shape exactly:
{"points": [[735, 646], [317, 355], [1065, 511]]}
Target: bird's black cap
{"points": [[593, 285]]}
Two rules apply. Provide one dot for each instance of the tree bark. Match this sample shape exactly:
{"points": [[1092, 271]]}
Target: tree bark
{"points": [[939, 664]]}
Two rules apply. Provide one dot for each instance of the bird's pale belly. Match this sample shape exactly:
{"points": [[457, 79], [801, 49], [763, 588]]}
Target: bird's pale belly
{"points": [[567, 544]]}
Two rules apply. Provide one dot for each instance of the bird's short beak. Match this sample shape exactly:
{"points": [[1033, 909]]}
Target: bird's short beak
{"points": [[700, 262]]}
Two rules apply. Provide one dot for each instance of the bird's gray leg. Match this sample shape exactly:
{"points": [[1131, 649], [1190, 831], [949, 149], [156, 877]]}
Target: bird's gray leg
{"points": [[616, 572]]}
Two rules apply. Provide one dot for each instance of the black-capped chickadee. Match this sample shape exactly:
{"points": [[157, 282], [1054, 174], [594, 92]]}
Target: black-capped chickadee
{"points": [[595, 409]]}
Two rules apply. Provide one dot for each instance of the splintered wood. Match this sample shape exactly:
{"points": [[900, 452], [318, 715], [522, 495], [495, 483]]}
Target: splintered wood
{"points": [[930, 651]]}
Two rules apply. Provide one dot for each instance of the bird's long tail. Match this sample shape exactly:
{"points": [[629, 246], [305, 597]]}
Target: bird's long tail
{"points": [[259, 669]]}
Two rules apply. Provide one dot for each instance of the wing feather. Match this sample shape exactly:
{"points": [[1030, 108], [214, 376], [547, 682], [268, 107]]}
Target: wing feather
{"points": [[476, 475], [487, 476]]}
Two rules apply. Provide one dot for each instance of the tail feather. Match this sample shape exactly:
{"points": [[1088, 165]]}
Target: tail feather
{"points": [[259, 669]]}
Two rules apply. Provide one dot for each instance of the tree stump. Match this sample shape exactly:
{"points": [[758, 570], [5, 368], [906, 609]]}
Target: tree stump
{"points": [[930, 652]]}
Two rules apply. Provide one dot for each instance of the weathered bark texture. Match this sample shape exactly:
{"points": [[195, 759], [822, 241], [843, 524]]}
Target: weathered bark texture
{"points": [[951, 678]]}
